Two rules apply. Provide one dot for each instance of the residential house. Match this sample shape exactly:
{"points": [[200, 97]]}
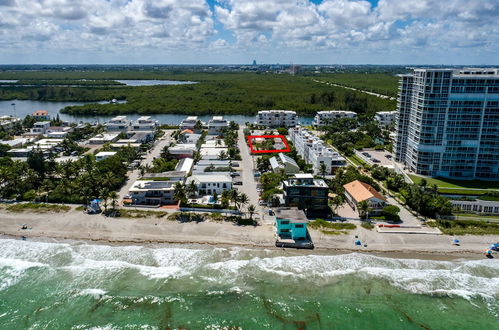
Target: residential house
{"points": [[291, 223], [306, 193], [189, 123], [40, 127], [277, 118], [6, 122], [104, 154], [104, 138], [283, 162], [183, 150], [145, 123], [176, 176], [216, 125], [153, 192], [185, 165], [41, 115], [209, 184], [325, 117], [118, 124], [358, 191]]}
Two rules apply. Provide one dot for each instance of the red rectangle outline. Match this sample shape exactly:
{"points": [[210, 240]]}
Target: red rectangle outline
{"points": [[282, 137]]}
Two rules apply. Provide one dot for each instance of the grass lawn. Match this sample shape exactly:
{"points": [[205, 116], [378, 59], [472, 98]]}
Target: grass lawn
{"points": [[356, 160], [463, 227], [458, 184], [37, 208]]}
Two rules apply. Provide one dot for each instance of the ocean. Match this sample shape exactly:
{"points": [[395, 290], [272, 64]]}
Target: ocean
{"points": [[85, 286]]}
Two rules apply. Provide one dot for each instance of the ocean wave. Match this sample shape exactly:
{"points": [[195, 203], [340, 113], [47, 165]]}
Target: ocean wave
{"points": [[12, 270]]}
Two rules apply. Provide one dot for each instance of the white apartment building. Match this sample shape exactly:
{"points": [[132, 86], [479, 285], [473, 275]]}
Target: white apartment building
{"points": [[447, 123], [325, 117], [216, 125], [145, 123], [103, 138], [314, 151], [189, 123], [385, 118], [277, 118], [283, 162], [208, 184], [153, 192], [118, 124], [40, 128], [477, 206]]}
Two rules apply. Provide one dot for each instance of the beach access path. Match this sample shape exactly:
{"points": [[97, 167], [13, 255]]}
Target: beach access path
{"points": [[249, 184], [76, 225]]}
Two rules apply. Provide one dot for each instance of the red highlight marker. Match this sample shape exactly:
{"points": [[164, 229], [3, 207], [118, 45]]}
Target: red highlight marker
{"points": [[254, 151]]}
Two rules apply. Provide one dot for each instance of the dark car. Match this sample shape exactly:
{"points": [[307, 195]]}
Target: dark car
{"points": [[374, 160], [366, 154], [388, 156], [238, 183]]}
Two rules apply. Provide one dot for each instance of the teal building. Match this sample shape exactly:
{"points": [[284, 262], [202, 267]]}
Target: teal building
{"points": [[291, 223]]}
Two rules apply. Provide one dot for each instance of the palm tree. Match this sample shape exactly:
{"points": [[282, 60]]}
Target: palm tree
{"points": [[234, 196], [180, 194], [251, 211], [243, 200], [114, 199], [191, 188], [104, 195], [222, 155], [336, 202], [363, 209], [225, 198], [215, 198]]}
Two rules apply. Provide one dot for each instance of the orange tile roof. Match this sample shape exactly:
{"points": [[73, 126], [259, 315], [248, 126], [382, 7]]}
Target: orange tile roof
{"points": [[40, 113], [186, 131], [361, 191]]}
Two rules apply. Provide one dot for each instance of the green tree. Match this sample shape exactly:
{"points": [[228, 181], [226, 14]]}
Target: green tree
{"points": [[251, 211]]}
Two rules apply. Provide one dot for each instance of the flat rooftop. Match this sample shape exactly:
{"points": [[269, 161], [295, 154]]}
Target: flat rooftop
{"points": [[293, 214]]}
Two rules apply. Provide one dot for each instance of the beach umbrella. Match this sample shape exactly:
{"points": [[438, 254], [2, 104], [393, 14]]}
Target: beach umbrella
{"points": [[357, 242], [456, 241]]}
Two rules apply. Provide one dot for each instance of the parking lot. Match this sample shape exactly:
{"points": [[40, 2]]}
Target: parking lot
{"points": [[380, 157]]}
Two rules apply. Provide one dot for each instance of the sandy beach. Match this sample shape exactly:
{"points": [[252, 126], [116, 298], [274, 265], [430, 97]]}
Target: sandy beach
{"points": [[75, 225]]}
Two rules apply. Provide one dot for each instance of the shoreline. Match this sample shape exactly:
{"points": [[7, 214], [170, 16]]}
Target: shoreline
{"points": [[322, 251], [74, 226]]}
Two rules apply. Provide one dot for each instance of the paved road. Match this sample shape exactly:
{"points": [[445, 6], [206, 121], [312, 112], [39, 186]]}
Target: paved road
{"points": [[153, 153], [249, 183]]}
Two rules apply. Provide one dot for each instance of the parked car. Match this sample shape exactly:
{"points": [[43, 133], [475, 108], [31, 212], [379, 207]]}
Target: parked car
{"points": [[127, 196], [366, 154], [388, 156], [238, 183], [374, 160], [74, 153], [233, 174], [257, 174], [271, 212], [262, 203]]}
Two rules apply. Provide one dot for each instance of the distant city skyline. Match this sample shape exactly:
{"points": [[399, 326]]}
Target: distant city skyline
{"points": [[454, 32]]}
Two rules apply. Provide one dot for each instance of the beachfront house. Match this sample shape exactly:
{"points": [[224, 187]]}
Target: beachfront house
{"points": [[307, 193], [208, 184], [291, 223], [145, 123], [153, 192], [358, 191]]}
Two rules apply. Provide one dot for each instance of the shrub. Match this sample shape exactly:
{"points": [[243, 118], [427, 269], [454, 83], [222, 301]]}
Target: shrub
{"points": [[391, 213]]}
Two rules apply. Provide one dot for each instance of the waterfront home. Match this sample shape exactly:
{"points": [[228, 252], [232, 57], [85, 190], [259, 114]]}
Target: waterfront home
{"points": [[176, 176], [323, 118], [104, 154], [58, 132], [216, 125], [153, 192], [358, 191], [145, 123], [118, 124], [208, 184], [291, 223], [188, 136], [306, 193], [183, 150], [283, 162], [104, 138], [189, 123], [41, 115], [276, 118], [141, 136]]}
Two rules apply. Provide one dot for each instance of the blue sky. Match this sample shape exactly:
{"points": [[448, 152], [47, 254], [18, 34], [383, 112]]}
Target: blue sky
{"points": [[238, 31]]}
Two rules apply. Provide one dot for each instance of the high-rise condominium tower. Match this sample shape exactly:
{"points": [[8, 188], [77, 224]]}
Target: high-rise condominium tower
{"points": [[448, 123]]}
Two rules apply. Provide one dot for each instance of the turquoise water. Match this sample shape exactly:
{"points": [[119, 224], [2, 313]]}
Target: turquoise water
{"points": [[82, 286]]}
